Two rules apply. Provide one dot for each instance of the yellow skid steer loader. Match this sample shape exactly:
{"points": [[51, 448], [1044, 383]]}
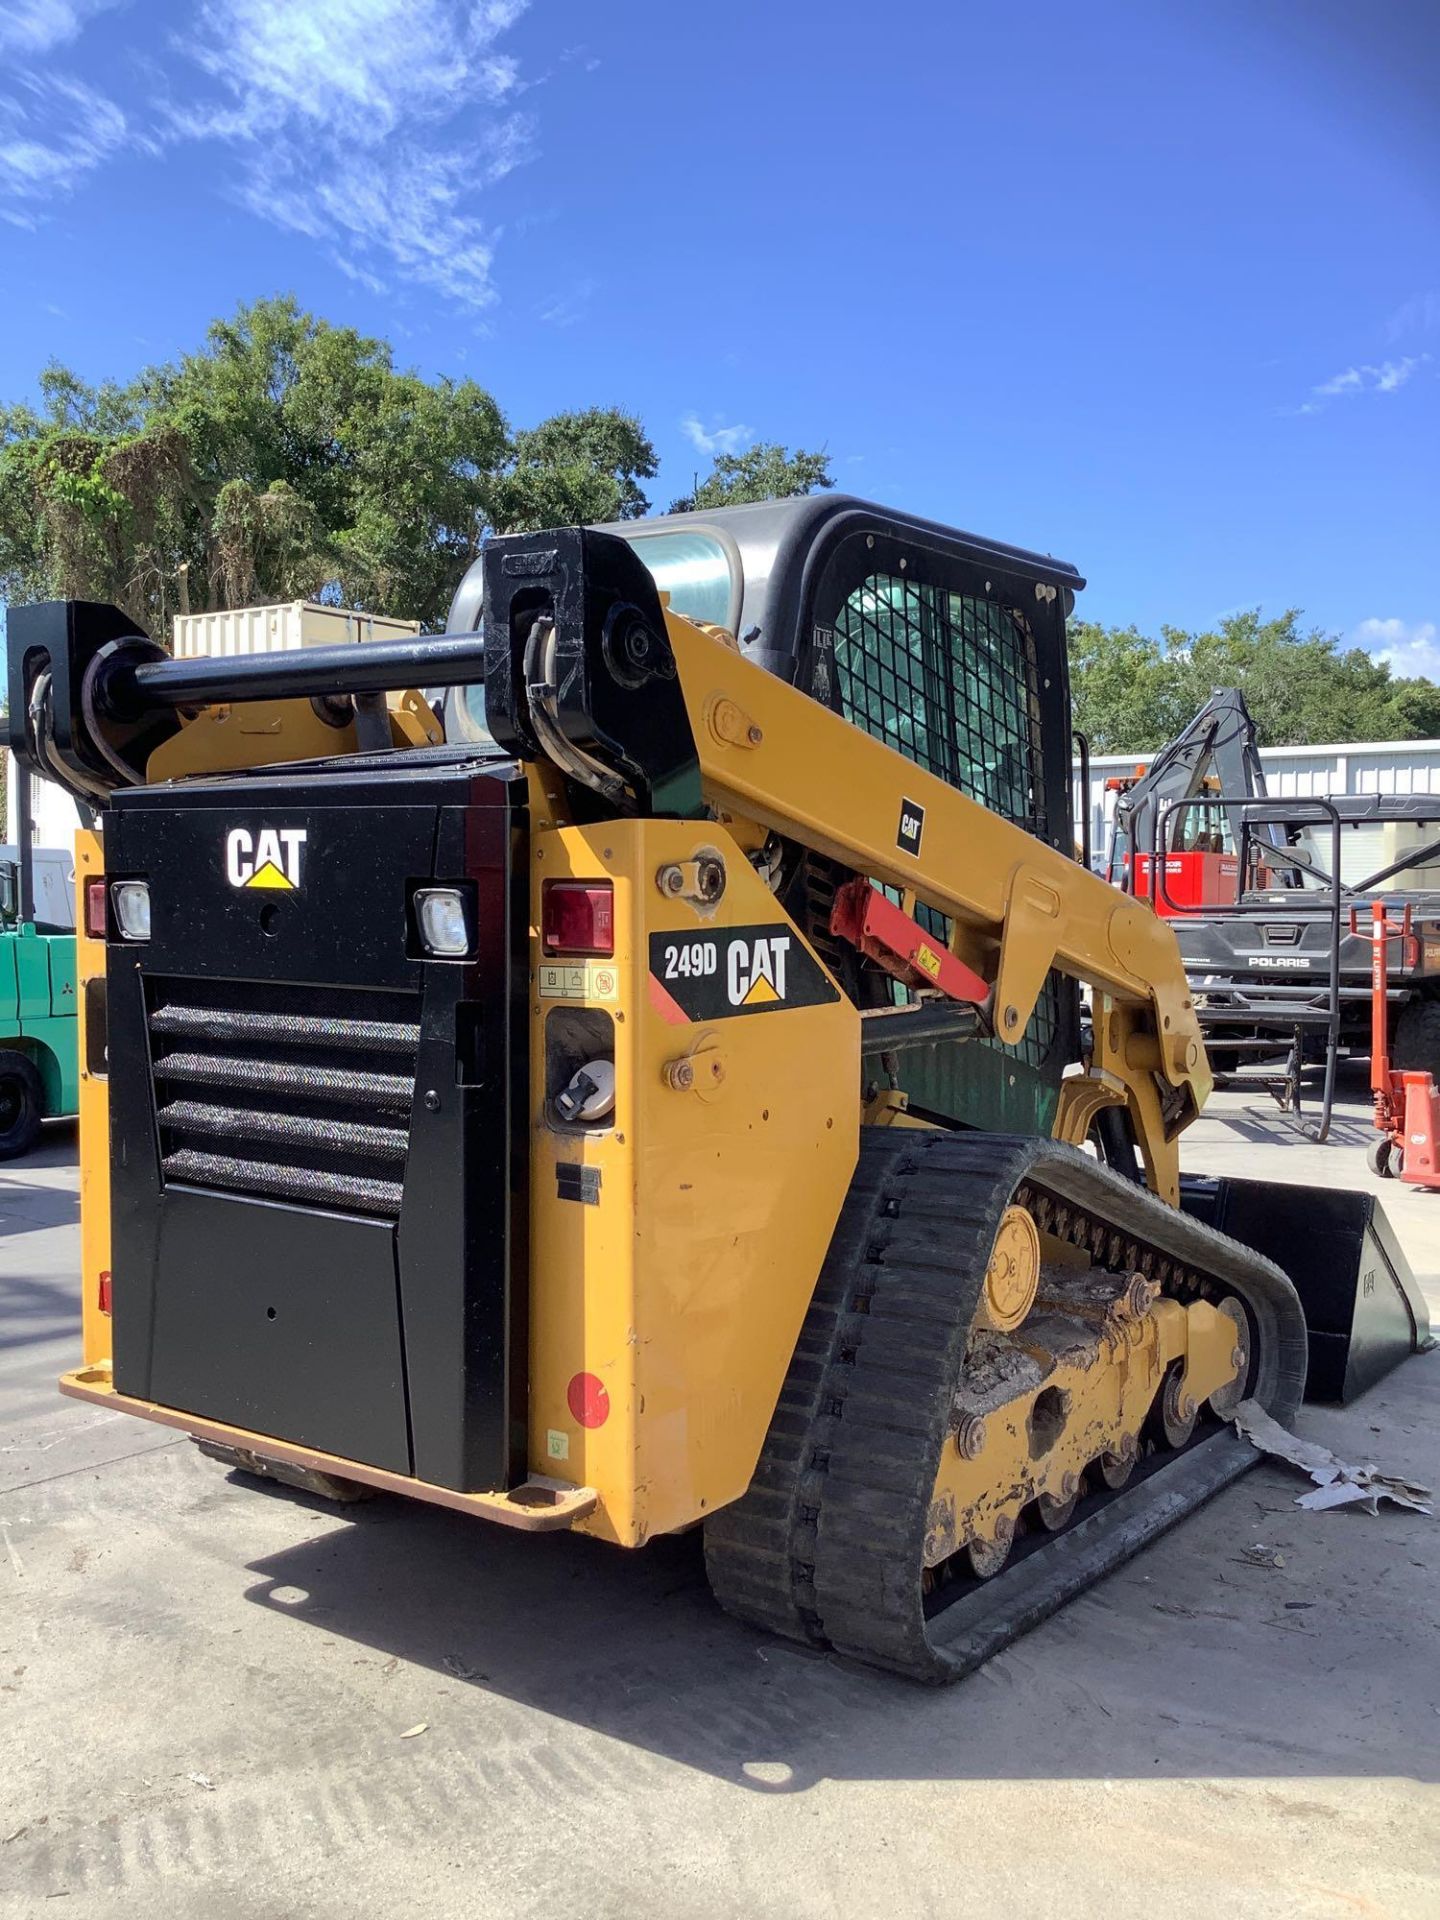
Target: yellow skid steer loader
{"points": [[618, 1065]]}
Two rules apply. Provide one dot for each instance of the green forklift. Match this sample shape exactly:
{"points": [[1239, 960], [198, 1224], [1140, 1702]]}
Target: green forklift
{"points": [[39, 1068]]}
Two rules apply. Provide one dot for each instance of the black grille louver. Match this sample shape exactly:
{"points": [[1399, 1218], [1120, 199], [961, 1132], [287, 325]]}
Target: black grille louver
{"points": [[388, 1090], [257, 1093]]}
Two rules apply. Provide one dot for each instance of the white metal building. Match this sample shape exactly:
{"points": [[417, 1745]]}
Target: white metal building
{"points": [[1370, 766], [53, 814]]}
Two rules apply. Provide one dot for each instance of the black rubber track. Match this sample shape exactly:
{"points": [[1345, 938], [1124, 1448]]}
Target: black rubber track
{"points": [[828, 1544]]}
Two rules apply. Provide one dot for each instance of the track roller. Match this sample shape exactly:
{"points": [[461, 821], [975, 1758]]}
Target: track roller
{"points": [[1055, 1509], [956, 1448], [1115, 1468]]}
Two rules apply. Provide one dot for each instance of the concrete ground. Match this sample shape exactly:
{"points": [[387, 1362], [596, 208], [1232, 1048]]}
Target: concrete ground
{"points": [[206, 1691]]}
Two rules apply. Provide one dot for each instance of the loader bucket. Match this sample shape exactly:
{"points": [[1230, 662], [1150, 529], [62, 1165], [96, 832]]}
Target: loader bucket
{"points": [[1363, 1309]]}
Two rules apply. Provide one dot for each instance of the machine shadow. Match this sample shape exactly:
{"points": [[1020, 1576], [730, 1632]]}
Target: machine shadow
{"points": [[34, 1311], [59, 1142], [1268, 1127], [1135, 1679], [33, 1209], [30, 1206], [1266, 1124]]}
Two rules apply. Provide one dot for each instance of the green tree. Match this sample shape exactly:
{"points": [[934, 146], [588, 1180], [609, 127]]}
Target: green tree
{"points": [[1415, 710], [1133, 693], [1300, 687], [1124, 688], [765, 471], [575, 469], [287, 458]]}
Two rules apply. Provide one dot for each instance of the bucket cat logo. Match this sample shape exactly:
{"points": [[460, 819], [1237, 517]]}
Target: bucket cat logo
{"points": [[268, 858]]}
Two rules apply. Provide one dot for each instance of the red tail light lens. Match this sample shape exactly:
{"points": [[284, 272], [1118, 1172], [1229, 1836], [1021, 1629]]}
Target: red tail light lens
{"points": [[95, 907], [578, 916], [104, 1290]]}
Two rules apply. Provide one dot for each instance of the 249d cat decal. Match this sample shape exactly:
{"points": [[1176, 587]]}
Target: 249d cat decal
{"points": [[714, 976]]}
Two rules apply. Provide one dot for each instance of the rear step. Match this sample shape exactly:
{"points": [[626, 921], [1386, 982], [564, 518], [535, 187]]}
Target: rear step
{"points": [[829, 1543]]}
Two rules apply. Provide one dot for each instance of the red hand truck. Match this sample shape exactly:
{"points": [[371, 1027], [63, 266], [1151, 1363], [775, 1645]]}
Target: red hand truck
{"points": [[1407, 1105]]}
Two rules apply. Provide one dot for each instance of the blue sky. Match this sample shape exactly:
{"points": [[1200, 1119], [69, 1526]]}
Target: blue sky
{"points": [[1154, 287]]}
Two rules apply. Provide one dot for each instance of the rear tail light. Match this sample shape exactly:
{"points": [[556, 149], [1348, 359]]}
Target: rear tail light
{"points": [[104, 1290], [578, 916], [95, 907]]}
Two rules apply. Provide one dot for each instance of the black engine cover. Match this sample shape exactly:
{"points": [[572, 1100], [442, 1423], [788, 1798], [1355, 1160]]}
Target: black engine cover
{"points": [[312, 1122]]}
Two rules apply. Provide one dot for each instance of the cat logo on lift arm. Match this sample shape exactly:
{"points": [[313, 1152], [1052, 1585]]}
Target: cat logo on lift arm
{"points": [[267, 858], [739, 970]]}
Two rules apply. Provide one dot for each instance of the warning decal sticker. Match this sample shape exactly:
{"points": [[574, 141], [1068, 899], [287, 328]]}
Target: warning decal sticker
{"points": [[577, 980], [714, 976]]}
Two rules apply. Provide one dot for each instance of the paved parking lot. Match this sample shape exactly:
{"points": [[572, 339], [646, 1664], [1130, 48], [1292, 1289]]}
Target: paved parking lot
{"points": [[205, 1691]]}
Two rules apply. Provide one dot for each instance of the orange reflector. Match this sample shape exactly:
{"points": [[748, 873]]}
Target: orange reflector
{"points": [[588, 1401]]}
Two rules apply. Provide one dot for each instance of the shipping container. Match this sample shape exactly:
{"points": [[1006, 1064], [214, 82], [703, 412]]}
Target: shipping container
{"points": [[279, 629]]}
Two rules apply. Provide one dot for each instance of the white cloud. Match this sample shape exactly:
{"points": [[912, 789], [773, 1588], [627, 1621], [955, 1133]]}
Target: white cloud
{"points": [[362, 276], [53, 131], [716, 439], [565, 309], [1388, 377], [361, 65], [1410, 648], [372, 127], [1419, 314], [29, 28], [340, 112]]}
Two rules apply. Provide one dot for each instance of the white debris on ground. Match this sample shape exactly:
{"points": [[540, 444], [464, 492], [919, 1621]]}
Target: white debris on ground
{"points": [[1336, 1483]]}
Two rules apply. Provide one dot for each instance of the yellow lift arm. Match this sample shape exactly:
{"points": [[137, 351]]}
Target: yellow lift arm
{"points": [[772, 755], [775, 759]]}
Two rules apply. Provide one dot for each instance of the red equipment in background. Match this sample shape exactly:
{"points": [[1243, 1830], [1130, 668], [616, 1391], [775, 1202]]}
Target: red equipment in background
{"points": [[1216, 753], [1191, 880], [1201, 874], [1407, 1105]]}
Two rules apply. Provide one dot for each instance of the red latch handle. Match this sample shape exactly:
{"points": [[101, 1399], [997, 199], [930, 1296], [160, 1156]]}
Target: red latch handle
{"points": [[888, 935]]}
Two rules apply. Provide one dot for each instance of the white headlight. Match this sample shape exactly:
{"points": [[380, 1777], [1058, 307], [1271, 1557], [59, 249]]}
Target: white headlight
{"points": [[444, 923], [131, 900]]}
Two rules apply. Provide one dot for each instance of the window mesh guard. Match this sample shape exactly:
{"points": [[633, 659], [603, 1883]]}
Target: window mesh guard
{"points": [[949, 681]]}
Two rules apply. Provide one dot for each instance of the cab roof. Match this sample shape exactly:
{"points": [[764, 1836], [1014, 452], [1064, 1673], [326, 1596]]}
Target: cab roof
{"points": [[776, 548]]}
